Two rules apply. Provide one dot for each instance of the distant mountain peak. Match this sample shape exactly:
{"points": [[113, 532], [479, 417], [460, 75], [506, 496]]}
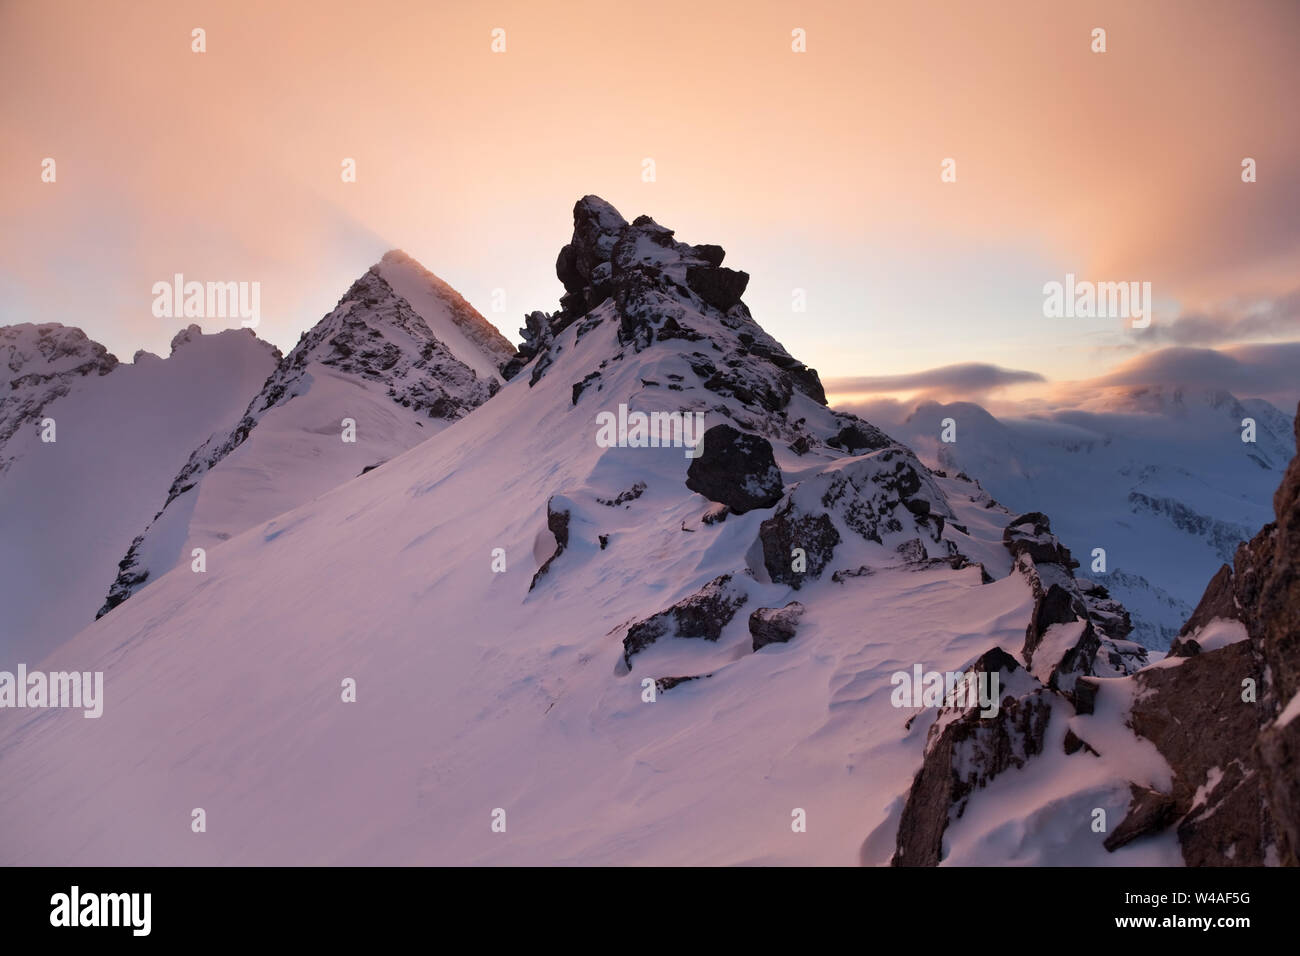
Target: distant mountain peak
{"points": [[400, 376], [39, 364], [457, 324]]}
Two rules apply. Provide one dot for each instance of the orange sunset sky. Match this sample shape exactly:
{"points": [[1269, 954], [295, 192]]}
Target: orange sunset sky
{"points": [[817, 171]]}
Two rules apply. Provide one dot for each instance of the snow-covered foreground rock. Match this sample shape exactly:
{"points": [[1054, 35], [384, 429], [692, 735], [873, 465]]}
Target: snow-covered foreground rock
{"points": [[507, 595], [70, 507], [1156, 476], [370, 380]]}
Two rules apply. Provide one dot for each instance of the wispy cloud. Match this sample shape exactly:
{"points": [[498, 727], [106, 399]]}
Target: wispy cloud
{"points": [[1270, 371]]}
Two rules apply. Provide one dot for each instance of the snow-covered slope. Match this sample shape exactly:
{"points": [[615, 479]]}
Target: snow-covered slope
{"points": [[372, 362], [1158, 477], [506, 594], [69, 508]]}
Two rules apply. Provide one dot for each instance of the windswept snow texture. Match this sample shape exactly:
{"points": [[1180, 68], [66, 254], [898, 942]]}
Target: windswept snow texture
{"points": [[373, 362], [1159, 477], [69, 508], [478, 690]]}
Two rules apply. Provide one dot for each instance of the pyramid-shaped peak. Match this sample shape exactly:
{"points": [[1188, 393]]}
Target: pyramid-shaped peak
{"points": [[450, 317]]}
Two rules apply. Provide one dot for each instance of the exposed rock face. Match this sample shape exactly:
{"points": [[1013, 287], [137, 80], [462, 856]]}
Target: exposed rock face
{"points": [[557, 522], [40, 363], [1075, 629], [965, 751], [1222, 711], [1031, 534], [583, 266], [884, 497], [1195, 715], [780, 535], [721, 288], [646, 275], [1218, 602], [856, 437], [703, 614], [769, 625], [736, 469], [1234, 754], [1075, 632], [668, 683], [537, 335], [1149, 812]]}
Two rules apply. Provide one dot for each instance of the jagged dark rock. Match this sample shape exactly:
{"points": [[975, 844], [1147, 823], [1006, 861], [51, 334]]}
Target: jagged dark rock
{"points": [[736, 469], [1236, 786], [1149, 812], [719, 287], [1088, 631], [668, 683], [1174, 708], [1031, 534], [701, 615], [787, 530], [557, 522], [1073, 743], [857, 437], [623, 497], [651, 278], [965, 751], [769, 625]]}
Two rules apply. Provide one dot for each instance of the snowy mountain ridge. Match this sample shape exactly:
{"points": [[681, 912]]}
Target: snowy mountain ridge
{"points": [[372, 362], [766, 591]]}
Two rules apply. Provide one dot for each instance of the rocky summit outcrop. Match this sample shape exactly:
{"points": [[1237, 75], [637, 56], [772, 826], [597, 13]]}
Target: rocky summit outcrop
{"points": [[673, 308], [655, 286]]}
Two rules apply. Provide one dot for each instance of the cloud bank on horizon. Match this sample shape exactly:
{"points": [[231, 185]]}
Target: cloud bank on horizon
{"points": [[1270, 371]]}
